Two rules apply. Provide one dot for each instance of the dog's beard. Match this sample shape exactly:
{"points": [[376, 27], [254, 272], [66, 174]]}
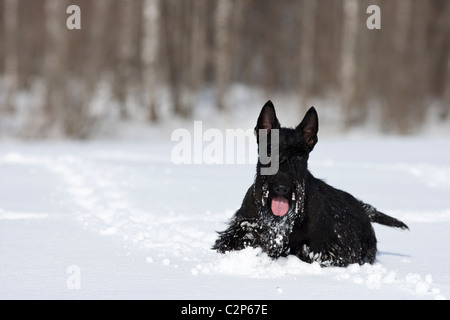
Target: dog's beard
{"points": [[295, 208], [273, 228]]}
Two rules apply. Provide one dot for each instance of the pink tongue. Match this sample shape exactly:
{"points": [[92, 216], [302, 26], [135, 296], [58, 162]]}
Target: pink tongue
{"points": [[280, 206]]}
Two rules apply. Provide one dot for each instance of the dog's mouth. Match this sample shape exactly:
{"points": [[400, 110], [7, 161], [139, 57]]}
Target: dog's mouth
{"points": [[280, 206]]}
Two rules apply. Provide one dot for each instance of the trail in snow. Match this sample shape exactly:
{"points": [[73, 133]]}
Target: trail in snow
{"points": [[170, 214]]}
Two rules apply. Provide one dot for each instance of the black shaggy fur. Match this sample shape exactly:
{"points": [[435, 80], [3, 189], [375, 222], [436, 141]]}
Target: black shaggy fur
{"points": [[322, 224]]}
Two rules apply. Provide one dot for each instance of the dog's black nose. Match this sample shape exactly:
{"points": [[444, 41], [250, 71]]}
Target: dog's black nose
{"points": [[281, 190]]}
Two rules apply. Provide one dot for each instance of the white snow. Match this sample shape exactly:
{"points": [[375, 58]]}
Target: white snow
{"points": [[136, 225]]}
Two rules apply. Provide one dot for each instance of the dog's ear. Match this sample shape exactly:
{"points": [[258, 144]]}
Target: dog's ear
{"points": [[309, 127], [267, 118]]}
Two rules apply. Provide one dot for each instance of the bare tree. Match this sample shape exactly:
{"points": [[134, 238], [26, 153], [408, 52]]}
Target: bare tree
{"points": [[222, 49], [445, 113], [197, 47], [348, 61], [175, 22], [79, 120], [420, 78], [398, 88], [149, 55], [54, 65], [126, 51], [11, 52], [439, 56], [307, 46]]}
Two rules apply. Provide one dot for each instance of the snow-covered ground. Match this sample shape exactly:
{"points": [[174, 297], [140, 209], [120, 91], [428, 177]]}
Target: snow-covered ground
{"points": [[119, 220]]}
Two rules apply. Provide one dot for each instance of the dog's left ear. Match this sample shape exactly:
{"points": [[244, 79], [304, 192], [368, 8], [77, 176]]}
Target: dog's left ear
{"points": [[309, 127]]}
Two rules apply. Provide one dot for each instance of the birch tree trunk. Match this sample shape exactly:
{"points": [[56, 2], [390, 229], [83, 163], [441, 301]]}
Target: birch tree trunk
{"points": [[149, 55], [11, 52], [222, 50], [308, 30], [415, 104], [126, 51], [348, 61], [439, 56], [445, 112], [398, 89], [175, 18], [54, 66], [197, 48], [80, 119]]}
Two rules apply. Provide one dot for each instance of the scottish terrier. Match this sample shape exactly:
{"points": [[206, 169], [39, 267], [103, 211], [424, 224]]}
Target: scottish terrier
{"points": [[288, 211]]}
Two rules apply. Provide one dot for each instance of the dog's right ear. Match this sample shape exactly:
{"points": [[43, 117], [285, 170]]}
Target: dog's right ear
{"points": [[267, 119], [309, 127]]}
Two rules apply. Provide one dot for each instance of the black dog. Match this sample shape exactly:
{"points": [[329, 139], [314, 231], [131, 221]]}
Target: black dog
{"points": [[291, 212]]}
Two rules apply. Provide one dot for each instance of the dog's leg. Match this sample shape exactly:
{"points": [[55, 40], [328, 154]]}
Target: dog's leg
{"points": [[239, 235], [241, 232]]}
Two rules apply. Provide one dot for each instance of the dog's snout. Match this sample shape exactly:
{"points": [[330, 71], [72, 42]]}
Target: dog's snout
{"points": [[281, 190]]}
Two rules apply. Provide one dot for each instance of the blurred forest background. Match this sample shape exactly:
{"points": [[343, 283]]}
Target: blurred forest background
{"points": [[132, 57]]}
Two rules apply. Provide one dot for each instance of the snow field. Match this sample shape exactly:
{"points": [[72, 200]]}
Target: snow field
{"points": [[151, 223]]}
